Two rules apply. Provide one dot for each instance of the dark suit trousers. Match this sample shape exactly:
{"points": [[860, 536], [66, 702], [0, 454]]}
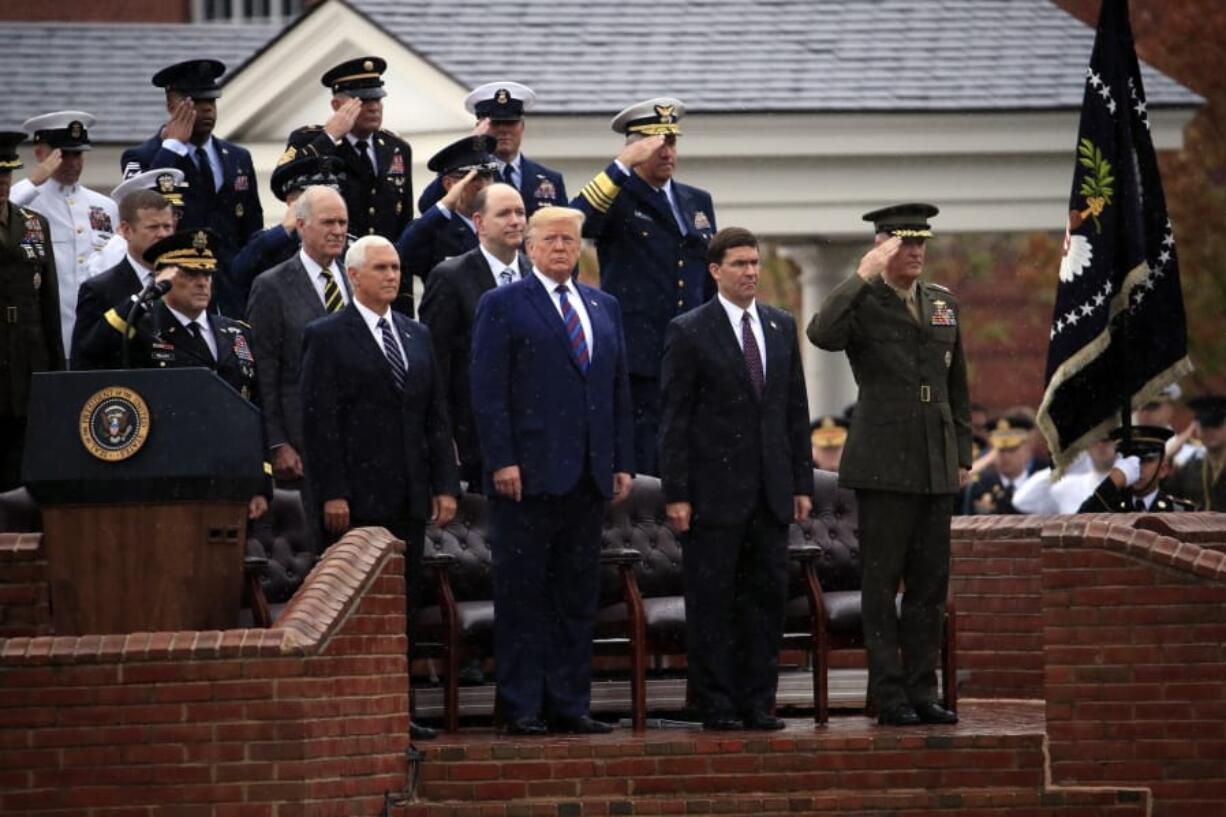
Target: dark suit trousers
{"points": [[903, 537], [546, 589], [645, 405], [735, 593]]}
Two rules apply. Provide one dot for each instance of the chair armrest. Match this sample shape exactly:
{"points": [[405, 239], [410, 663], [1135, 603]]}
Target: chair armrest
{"points": [[255, 566], [806, 554], [443, 561], [620, 556]]}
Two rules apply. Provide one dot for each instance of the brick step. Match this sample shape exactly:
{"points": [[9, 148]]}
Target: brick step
{"points": [[997, 745], [977, 802]]}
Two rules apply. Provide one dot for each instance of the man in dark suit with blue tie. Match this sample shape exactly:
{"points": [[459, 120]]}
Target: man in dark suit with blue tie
{"points": [[449, 305], [651, 235], [550, 394], [446, 230], [499, 108], [736, 470], [378, 444], [222, 192]]}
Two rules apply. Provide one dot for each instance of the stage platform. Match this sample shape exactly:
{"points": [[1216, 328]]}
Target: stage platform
{"points": [[991, 763]]}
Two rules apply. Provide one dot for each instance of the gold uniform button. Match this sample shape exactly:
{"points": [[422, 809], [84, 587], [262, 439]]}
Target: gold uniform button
{"points": [[80, 259], [371, 231], [681, 263], [680, 283], [680, 303], [372, 211], [80, 230]]}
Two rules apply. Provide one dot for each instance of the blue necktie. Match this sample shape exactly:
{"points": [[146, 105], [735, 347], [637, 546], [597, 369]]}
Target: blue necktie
{"points": [[392, 352], [574, 329]]}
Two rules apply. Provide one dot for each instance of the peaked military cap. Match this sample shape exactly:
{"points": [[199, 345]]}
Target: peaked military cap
{"points": [[652, 117], [903, 220], [169, 181], [1009, 432], [193, 250], [500, 101], [361, 77], [66, 130], [1146, 442], [9, 140], [195, 78], [828, 431], [304, 172], [1210, 409], [463, 155]]}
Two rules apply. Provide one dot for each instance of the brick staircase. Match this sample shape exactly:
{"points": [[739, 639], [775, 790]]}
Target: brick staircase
{"points": [[992, 763]]}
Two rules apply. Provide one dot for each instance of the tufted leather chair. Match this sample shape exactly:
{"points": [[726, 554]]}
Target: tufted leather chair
{"points": [[823, 613], [283, 539]]}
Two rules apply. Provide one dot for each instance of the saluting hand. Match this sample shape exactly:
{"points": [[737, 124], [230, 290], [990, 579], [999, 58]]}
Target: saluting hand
{"points": [[46, 168], [452, 197], [182, 121], [640, 150], [878, 258], [342, 119], [482, 127]]}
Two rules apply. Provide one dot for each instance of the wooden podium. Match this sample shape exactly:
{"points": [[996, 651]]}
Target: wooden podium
{"points": [[143, 477]]}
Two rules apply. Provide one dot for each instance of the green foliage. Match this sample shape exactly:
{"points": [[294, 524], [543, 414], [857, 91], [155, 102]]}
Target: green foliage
{"points": [[1097, 184]]}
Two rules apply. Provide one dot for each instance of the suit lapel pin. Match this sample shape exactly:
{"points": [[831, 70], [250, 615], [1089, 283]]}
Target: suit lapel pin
{"points": [[774, 325]]}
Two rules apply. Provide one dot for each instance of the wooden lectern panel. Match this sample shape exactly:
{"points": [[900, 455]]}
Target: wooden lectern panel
{"points": [[145, 568]]}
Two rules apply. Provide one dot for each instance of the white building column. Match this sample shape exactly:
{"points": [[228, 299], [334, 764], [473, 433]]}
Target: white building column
{"points": [[828, 378]]}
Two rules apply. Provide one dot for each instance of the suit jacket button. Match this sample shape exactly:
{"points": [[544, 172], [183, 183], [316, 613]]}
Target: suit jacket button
{"points": [[372, 211], [681, 263]]}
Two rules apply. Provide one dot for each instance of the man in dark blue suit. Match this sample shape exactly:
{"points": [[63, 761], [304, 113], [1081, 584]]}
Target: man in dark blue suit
{"points": [[651, 235], [222, 193], [446, 230], [736, 469], [377, 442], [550, 395], [499, 108]]}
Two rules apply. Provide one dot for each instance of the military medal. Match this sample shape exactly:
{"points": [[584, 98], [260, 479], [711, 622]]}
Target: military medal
{"points": [[38, 281], [546, 190], [241, 350], [240, 183], [942, 315], [100, 220], [701, 222], [238, 210], [397, 166]]}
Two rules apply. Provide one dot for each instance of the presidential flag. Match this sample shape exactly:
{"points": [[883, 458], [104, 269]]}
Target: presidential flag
{"points": [[1118, 331]]}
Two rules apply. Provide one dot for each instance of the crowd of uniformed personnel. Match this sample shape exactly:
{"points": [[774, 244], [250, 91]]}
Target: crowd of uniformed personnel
{"points": [[165, 271]]}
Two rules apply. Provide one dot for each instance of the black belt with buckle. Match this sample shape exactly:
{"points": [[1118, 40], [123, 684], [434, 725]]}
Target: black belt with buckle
{"points": [[925, 393], [10, 314]]}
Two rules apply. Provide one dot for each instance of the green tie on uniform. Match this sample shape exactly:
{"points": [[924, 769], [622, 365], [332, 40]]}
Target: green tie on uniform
{"points": [[333, 302]]}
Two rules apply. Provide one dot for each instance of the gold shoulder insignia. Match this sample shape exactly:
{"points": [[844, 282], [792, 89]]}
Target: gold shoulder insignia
{"points": [[288, 155], [935, 285]]}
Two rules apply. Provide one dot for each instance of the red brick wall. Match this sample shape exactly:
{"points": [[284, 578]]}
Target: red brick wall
{"points": [[996, 585], [1135, 631], [307, 718], [24, 606]]}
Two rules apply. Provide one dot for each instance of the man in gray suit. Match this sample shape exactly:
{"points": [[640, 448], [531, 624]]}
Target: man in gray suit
{"points": [[284, 299]]}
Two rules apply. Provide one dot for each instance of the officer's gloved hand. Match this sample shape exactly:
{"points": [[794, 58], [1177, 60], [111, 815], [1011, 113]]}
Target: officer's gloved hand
{"points": [[1130, 467]]}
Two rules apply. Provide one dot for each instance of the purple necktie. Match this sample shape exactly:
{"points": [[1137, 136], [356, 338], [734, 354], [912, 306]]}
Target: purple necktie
{"points": [[753, 358], [574, 329]]}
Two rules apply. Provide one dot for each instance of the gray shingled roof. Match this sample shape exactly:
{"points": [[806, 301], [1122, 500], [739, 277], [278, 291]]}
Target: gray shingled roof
{"points": [[754, 56], [585, 57], [105, 69]]}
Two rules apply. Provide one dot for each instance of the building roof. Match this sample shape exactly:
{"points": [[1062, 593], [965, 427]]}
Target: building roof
{"points": [[727, 56], [764, 55], [105, 69]]}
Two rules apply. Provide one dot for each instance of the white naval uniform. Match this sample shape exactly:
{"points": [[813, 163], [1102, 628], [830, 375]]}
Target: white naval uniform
{"points": [[82, 222]]}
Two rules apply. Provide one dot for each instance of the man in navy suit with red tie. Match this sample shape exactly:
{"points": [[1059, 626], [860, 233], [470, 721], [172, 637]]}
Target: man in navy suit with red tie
{"points": [[736, 469], [551, 398], [378, 446]]}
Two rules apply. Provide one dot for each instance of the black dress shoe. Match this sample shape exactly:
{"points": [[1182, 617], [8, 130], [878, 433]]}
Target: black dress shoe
{"points": [[932, 712], [526, 726], [579, 725], [419, 732], [763, 722], [723, 723], [901, 715]]}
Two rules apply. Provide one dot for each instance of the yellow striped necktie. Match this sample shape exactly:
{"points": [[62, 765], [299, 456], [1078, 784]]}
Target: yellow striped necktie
{"points": [[333, 302]]}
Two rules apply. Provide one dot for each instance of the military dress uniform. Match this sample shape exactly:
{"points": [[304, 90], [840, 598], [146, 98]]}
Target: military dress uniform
{"points": [[222, 189], [539, 186], [167, 181], [910, 437], [1202, 479], [652, 251], [1146, 443], [82, 220], [992, 491], [377, 182], [30, 339]]}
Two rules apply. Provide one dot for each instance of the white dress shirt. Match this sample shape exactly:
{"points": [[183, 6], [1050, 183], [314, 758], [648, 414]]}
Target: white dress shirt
{"points": [[82, 222], [372, 323], [735, 314], [496, 266], [314, 273], [206, 329], [142, 272], [575, 299]]}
